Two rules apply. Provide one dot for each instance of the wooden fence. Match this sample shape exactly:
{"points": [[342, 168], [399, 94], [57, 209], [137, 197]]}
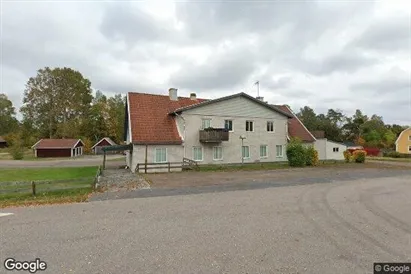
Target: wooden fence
{"points": [[166, 167], [35, 187]]}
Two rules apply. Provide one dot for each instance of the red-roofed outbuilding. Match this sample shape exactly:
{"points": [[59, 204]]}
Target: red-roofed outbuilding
{"points": [[58, 148]]}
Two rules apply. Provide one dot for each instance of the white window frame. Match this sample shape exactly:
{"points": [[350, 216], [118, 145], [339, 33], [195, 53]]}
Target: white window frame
{"points": [[232, 124], [252, 123], [266, 151], [202, 153], [249, 152], [155, 154], [282, 151], [272, 122], [202, 122], [216, 159]]}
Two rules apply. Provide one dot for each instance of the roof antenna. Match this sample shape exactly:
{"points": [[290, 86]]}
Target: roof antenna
{"points": [[258, 88]]}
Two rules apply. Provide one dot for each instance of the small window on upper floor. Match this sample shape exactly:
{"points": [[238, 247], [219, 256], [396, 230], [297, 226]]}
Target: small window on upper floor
{"points": [[336, 149], [409, 138], [409, 148], [249, 126], [270, 126], [228, 124], [205, 123]]}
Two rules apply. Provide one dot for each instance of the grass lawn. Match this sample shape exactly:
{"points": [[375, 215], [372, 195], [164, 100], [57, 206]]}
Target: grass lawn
{"points": [[54, 173], [260, 166], [390, 159], [64, 185]]}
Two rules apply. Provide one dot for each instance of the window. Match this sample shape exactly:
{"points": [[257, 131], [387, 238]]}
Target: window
{"points": [[279, 150], [270, 126], [205, 123], [228, 124], [409, 148], [336, 149], [245, 151], [249, 126], [217, 153], [409, 138], [263, 151], [160, 155], [197, 153]]}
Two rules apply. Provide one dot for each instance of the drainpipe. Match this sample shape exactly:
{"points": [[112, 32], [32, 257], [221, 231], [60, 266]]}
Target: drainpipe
{"points": [[184, 133]]}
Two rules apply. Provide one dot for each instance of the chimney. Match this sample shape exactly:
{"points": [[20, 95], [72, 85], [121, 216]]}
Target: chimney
{"points": [[260, 98], [172, 92], [193, 96]]}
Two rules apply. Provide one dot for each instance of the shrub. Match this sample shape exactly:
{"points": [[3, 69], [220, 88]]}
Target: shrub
{"points": [[347, 156], [311, 156], [87, 145], [17, 151], [393, 154], [296, 154], [359, 156]]}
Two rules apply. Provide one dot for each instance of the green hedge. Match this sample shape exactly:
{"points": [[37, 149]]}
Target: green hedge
{"points": [[296, 154], [395, 154]]}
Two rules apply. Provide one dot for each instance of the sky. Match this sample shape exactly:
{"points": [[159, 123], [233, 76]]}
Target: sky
{"points": [[344, 55]]}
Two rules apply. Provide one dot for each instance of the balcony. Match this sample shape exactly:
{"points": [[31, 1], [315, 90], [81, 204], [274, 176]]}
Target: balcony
{"points": [[213, 135]]}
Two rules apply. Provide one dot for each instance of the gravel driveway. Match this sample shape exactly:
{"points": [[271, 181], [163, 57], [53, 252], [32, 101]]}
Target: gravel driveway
{"points": [[343, 226]]}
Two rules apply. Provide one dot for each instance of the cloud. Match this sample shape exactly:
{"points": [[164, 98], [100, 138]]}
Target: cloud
{"points": [[386, 35], [317, 53]]}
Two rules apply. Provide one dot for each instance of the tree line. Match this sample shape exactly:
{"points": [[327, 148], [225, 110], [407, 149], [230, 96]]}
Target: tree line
{"points": [[358, 128], [59, 103]]}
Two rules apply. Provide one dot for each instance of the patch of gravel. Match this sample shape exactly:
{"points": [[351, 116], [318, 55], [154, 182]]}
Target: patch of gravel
{"points": [[114, 180]]}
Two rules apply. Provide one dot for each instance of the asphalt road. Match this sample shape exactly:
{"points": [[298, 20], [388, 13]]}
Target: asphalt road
{"points": [[337, 227], [95, 160]]}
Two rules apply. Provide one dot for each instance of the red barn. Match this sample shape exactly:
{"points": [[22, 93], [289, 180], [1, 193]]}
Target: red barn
{"points": [[97, 148], [58, 148]]}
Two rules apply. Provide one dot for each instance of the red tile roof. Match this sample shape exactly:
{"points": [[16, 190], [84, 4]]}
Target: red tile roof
{"points": [[150, 119], [296, 127], [56, 143]]}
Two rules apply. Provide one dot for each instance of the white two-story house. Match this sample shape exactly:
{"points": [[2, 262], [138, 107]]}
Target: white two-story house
{"points": [[232, 129]]}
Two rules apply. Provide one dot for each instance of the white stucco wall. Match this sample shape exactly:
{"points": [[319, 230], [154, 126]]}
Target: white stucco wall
{"points": [[325, 150], [239, 110], [174, 154]]}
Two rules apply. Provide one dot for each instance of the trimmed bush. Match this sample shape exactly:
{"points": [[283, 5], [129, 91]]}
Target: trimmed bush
{"points": [[311, 156], [17, 151], [347, 156], [395, 154], [296, 154], [359, 156]]}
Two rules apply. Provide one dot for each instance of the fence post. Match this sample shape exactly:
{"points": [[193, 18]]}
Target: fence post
{"points": [[169, 167], [33, 188]]}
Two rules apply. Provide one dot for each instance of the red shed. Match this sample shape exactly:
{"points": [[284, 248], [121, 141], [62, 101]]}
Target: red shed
{"points": [[58, 148], [106, 141]]}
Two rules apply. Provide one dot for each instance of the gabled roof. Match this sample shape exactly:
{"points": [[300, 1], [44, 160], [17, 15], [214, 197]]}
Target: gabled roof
{"points": [[402, 132], [295, 127], [111, 142], [149, 118], [241, 94], [57, 143], [318, 134], [2, 140]]}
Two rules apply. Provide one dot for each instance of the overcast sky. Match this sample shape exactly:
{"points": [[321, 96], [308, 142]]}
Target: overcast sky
{"points": [[325, 54]]}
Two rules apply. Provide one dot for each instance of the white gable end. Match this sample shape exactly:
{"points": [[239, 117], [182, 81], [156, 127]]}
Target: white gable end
{"points": [[236, 107]]}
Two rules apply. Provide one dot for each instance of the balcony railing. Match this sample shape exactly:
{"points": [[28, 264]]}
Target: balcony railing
{"points": [[213, 135]]}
